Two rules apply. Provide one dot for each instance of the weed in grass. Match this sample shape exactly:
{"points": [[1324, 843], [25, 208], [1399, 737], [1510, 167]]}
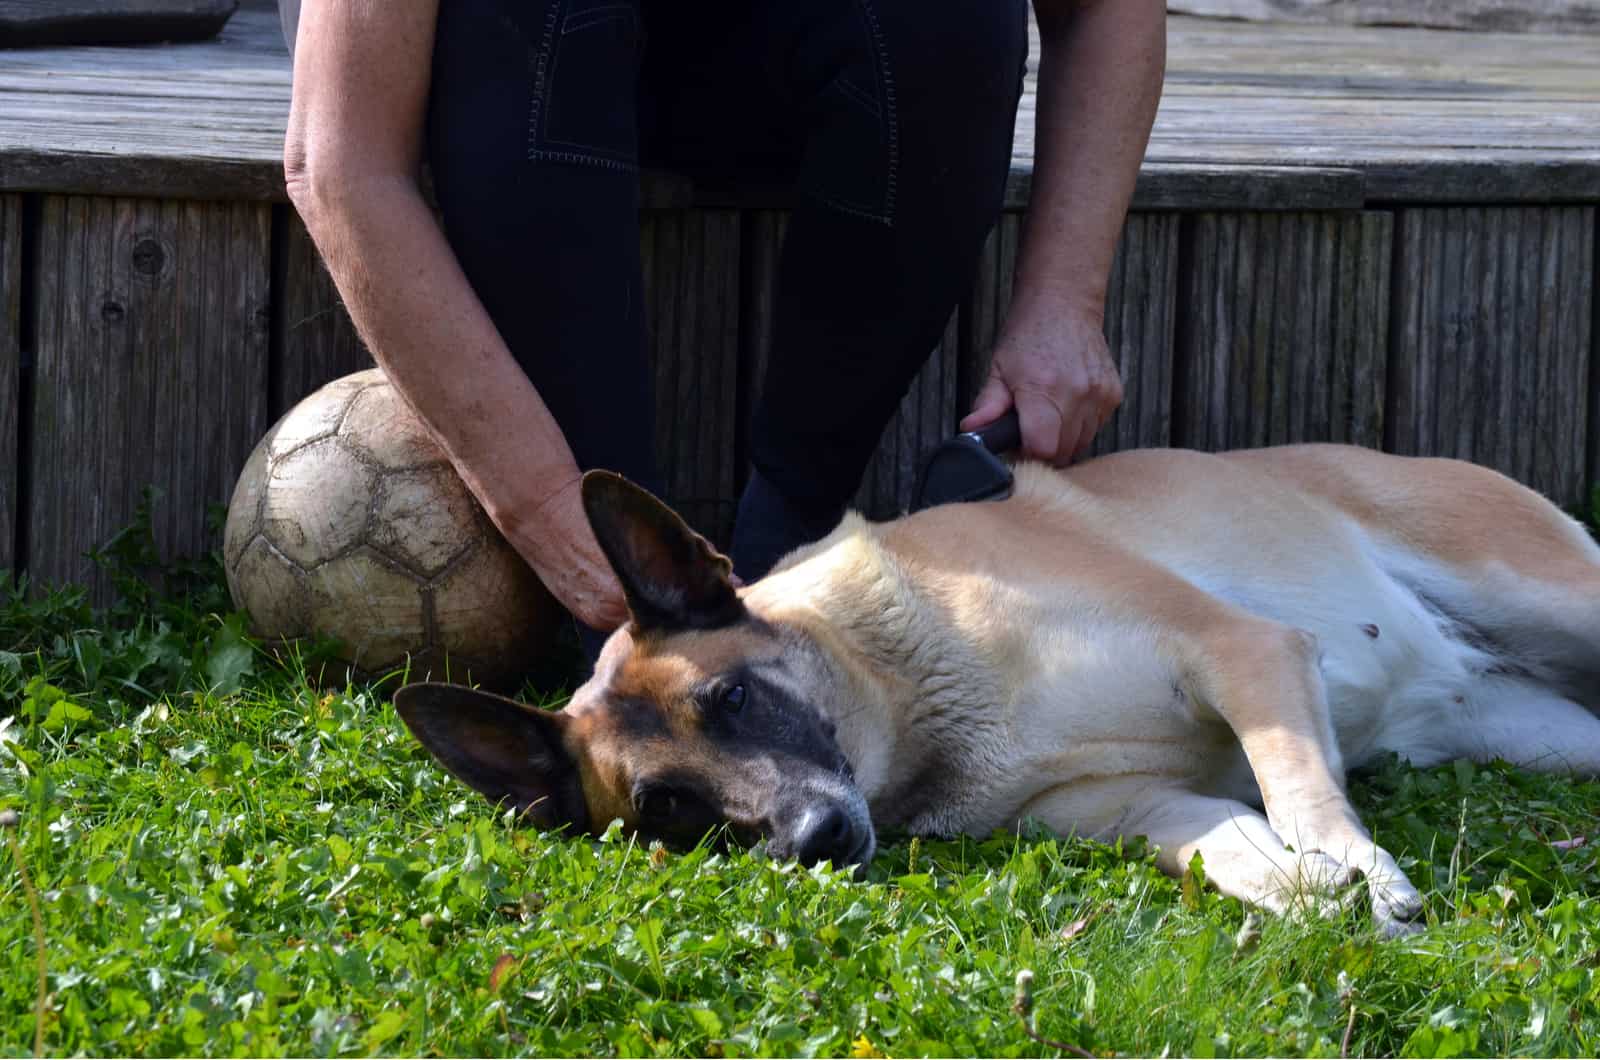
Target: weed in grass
{"points": [[233, 861]]}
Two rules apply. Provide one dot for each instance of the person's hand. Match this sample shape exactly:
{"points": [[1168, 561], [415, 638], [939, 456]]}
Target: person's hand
{"points": [[556, 541], [1057, 371]]}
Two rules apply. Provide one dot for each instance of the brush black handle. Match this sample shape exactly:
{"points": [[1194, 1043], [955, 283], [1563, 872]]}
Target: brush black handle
{"points": [[1001, 436]]}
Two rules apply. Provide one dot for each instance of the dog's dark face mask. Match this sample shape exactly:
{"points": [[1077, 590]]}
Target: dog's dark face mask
{"points": [[698, 715]]}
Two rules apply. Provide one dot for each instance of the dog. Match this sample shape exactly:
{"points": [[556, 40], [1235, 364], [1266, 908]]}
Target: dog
{"points": [[1186, 646]]}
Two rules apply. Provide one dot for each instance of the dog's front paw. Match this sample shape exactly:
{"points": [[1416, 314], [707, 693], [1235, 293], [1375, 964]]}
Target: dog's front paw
{"points": [[1340, 838], [1396, 903], [1309, 884]]}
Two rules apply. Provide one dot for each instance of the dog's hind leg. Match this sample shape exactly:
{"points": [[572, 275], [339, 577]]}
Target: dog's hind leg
{"points": [[1529, 725]]}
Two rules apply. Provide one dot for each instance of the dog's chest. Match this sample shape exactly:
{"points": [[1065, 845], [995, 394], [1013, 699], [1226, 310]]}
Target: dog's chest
{"points": [[1094, 702]]}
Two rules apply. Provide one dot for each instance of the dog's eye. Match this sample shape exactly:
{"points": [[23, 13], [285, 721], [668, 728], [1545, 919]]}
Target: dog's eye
{"points": [[732, 699]]}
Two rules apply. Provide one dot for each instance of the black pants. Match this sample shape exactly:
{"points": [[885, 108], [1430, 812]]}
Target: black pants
{"points": [[891, 118]]}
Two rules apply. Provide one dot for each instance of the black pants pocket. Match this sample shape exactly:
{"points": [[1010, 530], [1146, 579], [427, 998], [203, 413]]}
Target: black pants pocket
{"points": [[586, 73]]}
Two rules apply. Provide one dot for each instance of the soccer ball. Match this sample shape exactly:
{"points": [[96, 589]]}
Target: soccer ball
{"points": [[348, 524]]}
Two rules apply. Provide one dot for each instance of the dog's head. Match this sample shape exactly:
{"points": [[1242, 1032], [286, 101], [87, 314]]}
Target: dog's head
{"points": [[700, 713]]}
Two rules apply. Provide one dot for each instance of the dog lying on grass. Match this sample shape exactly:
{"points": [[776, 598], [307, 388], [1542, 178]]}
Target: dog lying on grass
{"points": [[1186, 646]]}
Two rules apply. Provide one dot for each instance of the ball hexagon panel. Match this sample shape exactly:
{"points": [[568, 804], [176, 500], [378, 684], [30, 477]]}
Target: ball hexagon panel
{"points": [[372, 607], [318, 415], [273, 591], [387, 432], [349, 523], [424, 518], [317, 500], [244, 509], [493, 606]]}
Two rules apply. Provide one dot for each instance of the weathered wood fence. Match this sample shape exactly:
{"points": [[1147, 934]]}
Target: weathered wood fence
{"points": [[1377, 236], [149, 342]]}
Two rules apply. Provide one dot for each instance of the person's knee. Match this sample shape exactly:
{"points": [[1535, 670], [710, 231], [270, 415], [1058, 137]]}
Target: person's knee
{"points": [[964, 58], [959, 69]]}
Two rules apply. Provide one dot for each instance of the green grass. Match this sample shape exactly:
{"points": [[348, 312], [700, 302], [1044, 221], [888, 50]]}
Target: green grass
{"points": [[232, 861]]}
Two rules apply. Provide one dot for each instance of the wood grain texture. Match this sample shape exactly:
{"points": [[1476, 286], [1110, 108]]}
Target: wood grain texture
{"points": [[1493, 340], [1140, 318], [33, 22], [764, 231], [1287, 329], [927, 415], [985, 310], [315, 342], [1141, 313], [692, 278], [1508, 16], [1254, 116], [152, 324], [10, 371]]}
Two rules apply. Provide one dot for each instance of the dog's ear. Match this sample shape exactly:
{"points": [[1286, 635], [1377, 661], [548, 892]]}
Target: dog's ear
{"points": [[672, 577], [512, 753]]}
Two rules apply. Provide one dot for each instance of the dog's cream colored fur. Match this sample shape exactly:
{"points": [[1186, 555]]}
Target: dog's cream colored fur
{"points": [[1160, 642]]}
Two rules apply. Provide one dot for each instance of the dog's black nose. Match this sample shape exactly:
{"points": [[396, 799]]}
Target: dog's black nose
{"points": [[824, 832]]}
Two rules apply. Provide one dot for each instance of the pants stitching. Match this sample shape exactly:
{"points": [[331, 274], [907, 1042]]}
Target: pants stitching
{"points": [[860, 95], [854, 211], [541, 73], [598, 152], [545, 69], [890, 115], [594, 16], [541, 154]]}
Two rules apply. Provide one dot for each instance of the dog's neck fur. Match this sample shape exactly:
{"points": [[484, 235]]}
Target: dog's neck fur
{"points": [[905, 722]]}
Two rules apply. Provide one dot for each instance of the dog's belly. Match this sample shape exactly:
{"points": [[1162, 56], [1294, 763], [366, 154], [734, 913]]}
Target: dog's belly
{"points": [[1400, 675]]}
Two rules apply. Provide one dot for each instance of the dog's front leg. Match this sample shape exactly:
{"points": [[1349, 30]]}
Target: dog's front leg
{"points": [[1263, 680], [1242, 855]]}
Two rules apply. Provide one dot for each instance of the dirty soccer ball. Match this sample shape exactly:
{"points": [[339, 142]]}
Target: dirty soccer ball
{"points": [[349, 524]]}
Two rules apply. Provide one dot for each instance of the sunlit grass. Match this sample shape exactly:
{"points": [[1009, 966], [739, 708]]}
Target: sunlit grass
{"points": [[234, 861]]}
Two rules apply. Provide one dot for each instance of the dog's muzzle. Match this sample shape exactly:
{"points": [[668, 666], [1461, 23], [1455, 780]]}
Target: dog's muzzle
{"points": [[833, 826]]}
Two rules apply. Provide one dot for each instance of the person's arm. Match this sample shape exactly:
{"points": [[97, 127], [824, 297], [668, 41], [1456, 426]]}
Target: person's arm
{"points": [[352, 159], [1100, 73]]}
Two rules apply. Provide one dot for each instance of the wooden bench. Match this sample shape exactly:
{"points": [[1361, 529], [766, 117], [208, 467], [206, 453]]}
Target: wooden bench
{"points": [[1384, 236]]}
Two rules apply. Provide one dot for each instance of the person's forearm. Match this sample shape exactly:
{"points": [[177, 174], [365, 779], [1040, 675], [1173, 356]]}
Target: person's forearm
{"points": [[416, 311], [1100, 76]]}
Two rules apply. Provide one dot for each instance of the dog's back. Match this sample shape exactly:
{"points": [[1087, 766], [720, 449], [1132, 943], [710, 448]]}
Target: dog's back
{"points": [[1456, 612]]}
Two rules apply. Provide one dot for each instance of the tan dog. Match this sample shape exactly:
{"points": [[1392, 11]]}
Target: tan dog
{"points": [[1159, 642]]}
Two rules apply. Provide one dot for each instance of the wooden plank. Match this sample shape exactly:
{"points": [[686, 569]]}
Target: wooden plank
{"points": [[1287, 329], [10, 372], [110, 168], [1483, 180], [314, 340], [1140, 318], [764, 231], [985, 311], [1506, 16], [927, 415], [1253, 117], [35, 22], [151, 323], [692, 295], [1494, 338], [1169, 185], [1141, 313]]}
